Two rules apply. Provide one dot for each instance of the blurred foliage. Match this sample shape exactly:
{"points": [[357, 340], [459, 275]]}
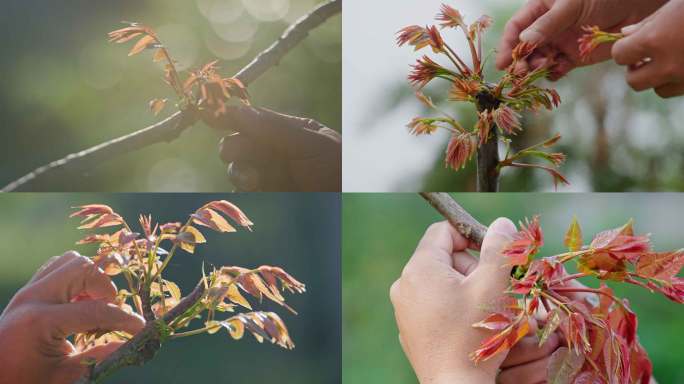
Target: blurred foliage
{"points": [[65, 88], [380, 232], [299, 232]]}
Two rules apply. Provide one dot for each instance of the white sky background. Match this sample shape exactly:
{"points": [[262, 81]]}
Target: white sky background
{"points": [[382, 156]]}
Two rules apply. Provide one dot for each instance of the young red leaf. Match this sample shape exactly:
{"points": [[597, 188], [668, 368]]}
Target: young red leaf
{"points": [[675, 290], [92, 209], [209, 218], [450, 17], [524, 286], [232, 211], [106, 220], [494, 322], [189, 238], [461, 149], [142, 44], [526, 243], [621, 243], [661, 266], [503, 341]]}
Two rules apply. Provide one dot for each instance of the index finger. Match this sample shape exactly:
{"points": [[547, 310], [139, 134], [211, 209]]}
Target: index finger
{"points": [[77, 276], [91, 315], [440, 241], [631, 49], [522, 19]]}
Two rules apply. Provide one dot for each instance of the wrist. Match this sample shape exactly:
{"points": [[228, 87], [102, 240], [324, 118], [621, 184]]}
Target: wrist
{"points": [[464, 375]]}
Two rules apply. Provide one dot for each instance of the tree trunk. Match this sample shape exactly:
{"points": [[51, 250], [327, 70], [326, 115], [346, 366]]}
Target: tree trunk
{"points": [[488, 154], [487, 163]]}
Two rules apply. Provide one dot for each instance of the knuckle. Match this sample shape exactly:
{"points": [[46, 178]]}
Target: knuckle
{"points": [[71, 254], [24, 295]]}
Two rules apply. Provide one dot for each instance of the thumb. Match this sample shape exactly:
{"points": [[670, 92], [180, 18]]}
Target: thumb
{"points": [[493, 264], [561, 16]]}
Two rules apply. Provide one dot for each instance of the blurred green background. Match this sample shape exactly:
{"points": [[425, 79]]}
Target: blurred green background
{"points": [[65, 88], [380, 232], [299, 232], [615, 139]]}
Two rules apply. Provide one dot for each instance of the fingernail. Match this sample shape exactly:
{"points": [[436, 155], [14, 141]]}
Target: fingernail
{"points": [[503, 227], [629, 29], [531, 36]]}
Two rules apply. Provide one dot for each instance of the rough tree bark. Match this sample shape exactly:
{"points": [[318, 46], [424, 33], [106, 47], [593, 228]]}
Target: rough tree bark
{"points": [[464, 223], [171, 128]]}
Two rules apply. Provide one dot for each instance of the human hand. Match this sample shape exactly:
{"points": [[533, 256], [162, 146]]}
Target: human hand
{"points": [[440, 295], [556, 25], [527, 362], [276, 152], [654, 52], [69, 294]]}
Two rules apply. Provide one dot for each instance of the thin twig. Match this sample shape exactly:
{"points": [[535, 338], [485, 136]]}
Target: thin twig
{"points": [[464, 223], [143, 346], [171, 128]]}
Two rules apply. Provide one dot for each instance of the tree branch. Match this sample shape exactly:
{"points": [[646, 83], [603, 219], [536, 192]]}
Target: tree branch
{"points": [[170, 129], [464, 223], [143, 346]]}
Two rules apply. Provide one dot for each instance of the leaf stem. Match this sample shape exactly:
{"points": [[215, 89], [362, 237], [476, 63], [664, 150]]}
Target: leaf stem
{"points": [[168, 258], [568, 278], [193, 332]]}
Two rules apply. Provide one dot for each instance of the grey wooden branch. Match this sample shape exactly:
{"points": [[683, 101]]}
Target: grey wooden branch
{"points": [[171, 128], [143, 346], [464, 223]]}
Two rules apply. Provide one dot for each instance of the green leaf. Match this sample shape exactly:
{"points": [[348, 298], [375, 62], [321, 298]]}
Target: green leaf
{"points": [[573, 237]]}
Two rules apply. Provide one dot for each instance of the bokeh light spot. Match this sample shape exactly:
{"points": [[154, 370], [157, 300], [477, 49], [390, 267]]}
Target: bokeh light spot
{"points": [[267, 10], [221, 11], [182, 43], [237, 32], [226, 50]]}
